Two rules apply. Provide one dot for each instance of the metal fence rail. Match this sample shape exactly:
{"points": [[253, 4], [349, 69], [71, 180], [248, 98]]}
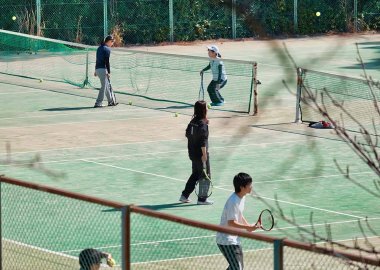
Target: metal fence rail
{"points": [[46, 228]]}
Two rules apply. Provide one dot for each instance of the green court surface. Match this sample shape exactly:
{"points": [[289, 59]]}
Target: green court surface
{"points": [[138, 155]]}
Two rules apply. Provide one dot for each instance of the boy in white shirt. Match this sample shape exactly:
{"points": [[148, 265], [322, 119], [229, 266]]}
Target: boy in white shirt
{"points": [[232, 215]]}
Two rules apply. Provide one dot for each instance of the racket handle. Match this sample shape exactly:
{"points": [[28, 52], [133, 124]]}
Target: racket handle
{"points": [[204, 166]]}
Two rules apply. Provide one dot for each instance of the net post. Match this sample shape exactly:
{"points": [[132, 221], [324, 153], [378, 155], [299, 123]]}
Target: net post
{"points": [[86, 79], [126, 238], [298, 97], [253, 91], [278, 249]]}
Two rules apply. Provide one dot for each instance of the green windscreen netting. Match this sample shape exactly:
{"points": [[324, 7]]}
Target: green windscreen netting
{"points": [[154, 80]]}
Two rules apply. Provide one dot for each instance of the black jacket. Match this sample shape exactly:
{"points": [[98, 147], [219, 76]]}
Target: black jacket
{"points": [[197, 137]]}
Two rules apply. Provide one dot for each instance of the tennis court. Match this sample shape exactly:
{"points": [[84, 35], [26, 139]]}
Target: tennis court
{"points": [[136, 154]]}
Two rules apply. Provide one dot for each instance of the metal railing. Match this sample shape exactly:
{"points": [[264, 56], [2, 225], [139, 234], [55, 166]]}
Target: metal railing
{"points": [[137, 237]]}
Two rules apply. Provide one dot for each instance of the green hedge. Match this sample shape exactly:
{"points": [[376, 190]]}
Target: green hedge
{"points": [[147, 21]]}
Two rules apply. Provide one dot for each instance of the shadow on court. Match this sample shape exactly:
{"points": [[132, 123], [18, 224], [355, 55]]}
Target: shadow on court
{"points": [[156, 207], [167, 206], [67, 109], [373, 63]]}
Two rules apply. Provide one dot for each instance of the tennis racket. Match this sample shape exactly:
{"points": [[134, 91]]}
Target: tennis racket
{"points": [[112, 94], [203, 187], [201, 90], [266, 220]]}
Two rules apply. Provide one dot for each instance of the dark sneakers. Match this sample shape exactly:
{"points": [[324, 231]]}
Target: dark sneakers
{"points": [[98, 106]]}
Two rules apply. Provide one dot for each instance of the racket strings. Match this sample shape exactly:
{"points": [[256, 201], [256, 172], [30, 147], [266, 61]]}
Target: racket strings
{"points": [[203, 188], [267, 221]]}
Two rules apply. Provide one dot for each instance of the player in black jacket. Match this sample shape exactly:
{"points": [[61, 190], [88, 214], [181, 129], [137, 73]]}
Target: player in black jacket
{"points": [[197, 145]]}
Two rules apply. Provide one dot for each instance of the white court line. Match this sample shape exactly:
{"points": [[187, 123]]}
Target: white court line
{"points": [[311, 177], [101, 111], [40, 249], [139, 142], [81, 122], [159, 153], [26, 92], [219, 254], [181, 180], [213, 235], [132, 170]]}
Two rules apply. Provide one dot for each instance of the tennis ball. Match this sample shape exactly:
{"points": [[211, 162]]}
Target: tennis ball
{"points": [[14, 18], [318, 14], [41, 80], [111, 262], [130, 103], [176, 115], [209, 106]]}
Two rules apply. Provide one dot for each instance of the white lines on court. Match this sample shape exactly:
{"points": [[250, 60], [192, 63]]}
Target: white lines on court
{"points": [[147, 154], [40, 249], [311, 207], [25, 92], [214, 235], [87, 147], [142, 142], [311, 177], [230, 190], [131, 170], [81, 122], [90, 109]]}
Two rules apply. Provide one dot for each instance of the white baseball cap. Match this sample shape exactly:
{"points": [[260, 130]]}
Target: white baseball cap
{"points": [[213, 48]]}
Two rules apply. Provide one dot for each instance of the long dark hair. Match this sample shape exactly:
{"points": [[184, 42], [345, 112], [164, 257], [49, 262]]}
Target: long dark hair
{"points": [[200, 110]]}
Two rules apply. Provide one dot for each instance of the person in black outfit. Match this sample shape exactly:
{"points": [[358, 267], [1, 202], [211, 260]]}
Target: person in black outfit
{"points": [[197, 138], [103, 71]]}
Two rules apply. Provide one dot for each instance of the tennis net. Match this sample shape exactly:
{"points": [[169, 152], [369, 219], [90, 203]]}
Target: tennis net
{"points": [[153, 80], [348, 101], [43, 59]]}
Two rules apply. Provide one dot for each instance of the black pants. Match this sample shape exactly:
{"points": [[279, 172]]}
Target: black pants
{"points": [[214, 94], [197, 170], [233, 255]]}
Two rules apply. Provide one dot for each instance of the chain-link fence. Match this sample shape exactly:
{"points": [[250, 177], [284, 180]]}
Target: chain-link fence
{"points": [[154, 21], [47, 228]]}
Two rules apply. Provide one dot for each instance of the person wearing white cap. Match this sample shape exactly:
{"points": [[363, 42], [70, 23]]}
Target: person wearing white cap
{"points": [[219, 76]]}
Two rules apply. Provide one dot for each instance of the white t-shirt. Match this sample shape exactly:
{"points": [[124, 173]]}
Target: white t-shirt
{"points": [[233, 210], [214, 64]]}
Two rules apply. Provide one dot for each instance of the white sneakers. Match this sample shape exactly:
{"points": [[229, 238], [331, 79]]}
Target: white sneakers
{"points": [[206, 202], [184, 199], [187, 200]]}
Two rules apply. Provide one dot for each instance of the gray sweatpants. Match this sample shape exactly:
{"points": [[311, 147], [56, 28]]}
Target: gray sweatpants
{"points": [[105, 86]]}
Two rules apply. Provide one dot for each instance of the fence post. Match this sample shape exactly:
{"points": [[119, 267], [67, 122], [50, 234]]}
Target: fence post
{"points": [[1, 232], [38, 13], [295, 19], [171, 22], [126, 238], [278, 254], [105, 18], [355, 15], [233, 19]]}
